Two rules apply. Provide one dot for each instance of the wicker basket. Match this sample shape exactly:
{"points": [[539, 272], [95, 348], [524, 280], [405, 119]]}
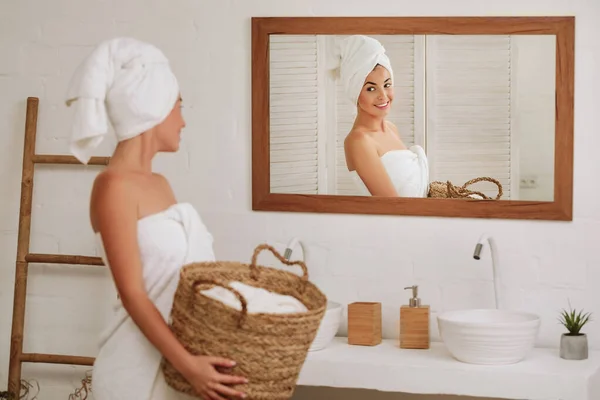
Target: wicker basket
{"points": [[269, 349], [447, 190]]}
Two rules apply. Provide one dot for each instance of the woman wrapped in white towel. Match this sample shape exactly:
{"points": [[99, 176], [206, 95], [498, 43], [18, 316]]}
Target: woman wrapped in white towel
{"points": [[380, 163], [142, 232]]}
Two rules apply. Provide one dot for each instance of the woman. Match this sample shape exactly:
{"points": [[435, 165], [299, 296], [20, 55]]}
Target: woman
{"points": [[143, 233], [378, 160]]}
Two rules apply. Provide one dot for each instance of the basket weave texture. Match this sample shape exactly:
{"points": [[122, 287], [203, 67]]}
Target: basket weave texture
{"points": [[269, 349], [447, 190]]}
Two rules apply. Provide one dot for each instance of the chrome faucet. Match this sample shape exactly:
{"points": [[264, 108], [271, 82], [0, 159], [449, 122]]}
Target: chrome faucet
{"points": [[494, 252], [290, 248]]}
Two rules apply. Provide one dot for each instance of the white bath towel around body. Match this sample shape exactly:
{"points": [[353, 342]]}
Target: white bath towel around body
{"points": [[408, 170], [128, 365]]}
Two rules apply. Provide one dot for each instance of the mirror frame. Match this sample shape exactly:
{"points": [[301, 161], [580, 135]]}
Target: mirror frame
{"points": [[559, 209]]}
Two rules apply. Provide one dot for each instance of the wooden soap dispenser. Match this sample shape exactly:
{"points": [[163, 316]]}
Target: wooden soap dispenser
{"points": [[414, 323]]}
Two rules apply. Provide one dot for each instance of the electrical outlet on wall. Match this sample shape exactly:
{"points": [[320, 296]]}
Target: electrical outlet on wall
{"points": [[528, 182]]}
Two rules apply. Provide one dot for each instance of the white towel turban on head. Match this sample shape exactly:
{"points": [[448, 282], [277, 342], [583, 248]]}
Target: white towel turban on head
{"points": [[355, 58], [126, 81]]}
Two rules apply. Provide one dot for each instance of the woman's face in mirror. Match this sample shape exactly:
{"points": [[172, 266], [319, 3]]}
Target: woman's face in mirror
{"points": [[377, 93]]}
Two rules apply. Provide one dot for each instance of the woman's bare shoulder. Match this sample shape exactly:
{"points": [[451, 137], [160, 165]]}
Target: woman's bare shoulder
{"points": [[356, 136], [358, 139], [359, 145], [113, 193], [113, 183]]}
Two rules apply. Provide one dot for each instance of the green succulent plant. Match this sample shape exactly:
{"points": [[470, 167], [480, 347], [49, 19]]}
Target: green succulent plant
{"points": [[574, 320]]}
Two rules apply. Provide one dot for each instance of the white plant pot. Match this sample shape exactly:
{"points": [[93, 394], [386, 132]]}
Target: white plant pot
{"points": [[574, 347]]}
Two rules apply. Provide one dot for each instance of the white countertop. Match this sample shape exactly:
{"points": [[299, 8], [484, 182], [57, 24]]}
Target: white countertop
{"points": [[543, 375]]}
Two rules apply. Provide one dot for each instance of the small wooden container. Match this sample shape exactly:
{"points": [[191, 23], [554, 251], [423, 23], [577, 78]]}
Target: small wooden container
{"points": [[364, 323], [414, 324]]}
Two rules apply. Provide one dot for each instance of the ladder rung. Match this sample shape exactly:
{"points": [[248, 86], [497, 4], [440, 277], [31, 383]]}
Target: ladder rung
{"points": [[59, 159], [63, 259], [56, 359]]}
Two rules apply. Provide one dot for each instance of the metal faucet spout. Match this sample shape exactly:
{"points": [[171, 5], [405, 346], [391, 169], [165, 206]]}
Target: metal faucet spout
{"points": [[494, 252], [477, 252]]}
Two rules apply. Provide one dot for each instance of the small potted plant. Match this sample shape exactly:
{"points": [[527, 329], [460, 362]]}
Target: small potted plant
{"points": [[574, 344]]}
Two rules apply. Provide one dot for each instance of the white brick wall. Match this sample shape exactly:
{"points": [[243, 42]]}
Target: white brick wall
{"points": [[544, 263]]}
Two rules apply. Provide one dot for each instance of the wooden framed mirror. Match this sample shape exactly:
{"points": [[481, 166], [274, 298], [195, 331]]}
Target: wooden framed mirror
{"points": [[464, 98]]}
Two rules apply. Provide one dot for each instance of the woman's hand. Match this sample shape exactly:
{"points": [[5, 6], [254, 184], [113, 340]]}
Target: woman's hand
{"points": [[209, 382]]}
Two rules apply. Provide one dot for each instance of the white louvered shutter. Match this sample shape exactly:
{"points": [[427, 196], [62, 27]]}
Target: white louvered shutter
{"points": [[469, 110], [293, 137], [406, 112]]}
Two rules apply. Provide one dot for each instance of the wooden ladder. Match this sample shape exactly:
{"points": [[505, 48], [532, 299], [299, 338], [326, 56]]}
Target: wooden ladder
{"points": [[24, 257]]}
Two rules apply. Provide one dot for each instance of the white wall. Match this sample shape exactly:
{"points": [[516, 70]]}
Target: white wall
{"points": [[350, 257]]}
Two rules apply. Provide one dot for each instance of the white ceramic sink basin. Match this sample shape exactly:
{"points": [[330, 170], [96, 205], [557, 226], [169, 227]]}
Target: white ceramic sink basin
{"points": [[329, 326], [488, 336]]}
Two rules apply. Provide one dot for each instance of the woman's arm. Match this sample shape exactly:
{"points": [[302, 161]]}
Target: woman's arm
{"points": [[363, 154]]}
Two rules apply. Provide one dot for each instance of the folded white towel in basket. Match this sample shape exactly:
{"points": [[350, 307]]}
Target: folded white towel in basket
{"points": [[258, 300]]}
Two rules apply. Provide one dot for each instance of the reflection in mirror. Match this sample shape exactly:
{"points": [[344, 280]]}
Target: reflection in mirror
{"points": [[403, 115]]}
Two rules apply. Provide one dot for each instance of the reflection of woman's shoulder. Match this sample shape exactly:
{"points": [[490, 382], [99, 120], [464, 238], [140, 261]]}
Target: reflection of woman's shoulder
{"points": [[359, 142], [357, 136]]}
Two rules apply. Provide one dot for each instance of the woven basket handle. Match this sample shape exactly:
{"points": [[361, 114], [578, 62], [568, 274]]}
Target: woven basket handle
{"points": [[232, 290], [254, 270], [463, 192], [486, 179]]}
